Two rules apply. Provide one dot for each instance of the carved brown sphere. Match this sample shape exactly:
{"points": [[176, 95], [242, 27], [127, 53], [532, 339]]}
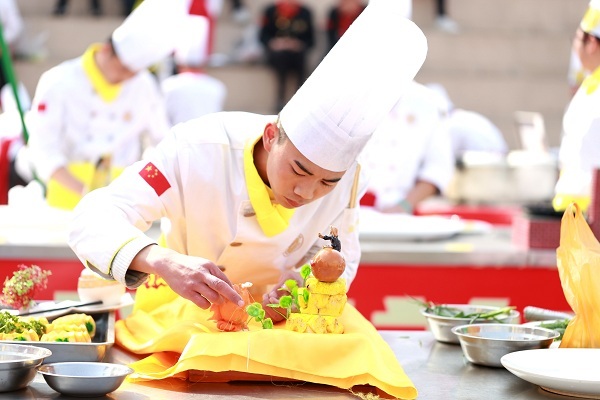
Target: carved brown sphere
{"points": [[328, 265]]}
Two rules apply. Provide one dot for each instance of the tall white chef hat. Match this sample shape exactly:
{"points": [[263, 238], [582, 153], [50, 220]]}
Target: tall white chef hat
{"points": [[333, 115], [590, 22], [148, 34], [192, 47]]}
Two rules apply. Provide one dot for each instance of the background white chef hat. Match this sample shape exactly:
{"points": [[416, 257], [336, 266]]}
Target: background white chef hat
{"points": [[192, 47], [590, 22], [148, 34], [333, 115]]}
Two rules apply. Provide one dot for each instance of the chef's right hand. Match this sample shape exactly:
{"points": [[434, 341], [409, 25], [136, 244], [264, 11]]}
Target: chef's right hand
{"points": [[194, 278]]}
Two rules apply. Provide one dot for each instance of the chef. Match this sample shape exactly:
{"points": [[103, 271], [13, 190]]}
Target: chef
{"points": [[92, 113], [579, 152], [251, 193], [191, 92]]}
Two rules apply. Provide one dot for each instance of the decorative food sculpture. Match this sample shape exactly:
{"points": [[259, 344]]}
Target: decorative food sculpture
{"points": [[322, 301], [229, 316]]}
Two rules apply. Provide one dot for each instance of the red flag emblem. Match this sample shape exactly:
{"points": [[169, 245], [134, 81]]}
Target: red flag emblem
{"points": [[41, 107], [155, 178]]}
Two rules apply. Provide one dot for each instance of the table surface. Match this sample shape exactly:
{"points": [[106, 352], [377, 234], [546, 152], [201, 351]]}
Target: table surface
{"points": [[438, 370]]}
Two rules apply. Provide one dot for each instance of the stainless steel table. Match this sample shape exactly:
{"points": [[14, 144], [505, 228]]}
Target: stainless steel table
{"points": [[439, 371]]}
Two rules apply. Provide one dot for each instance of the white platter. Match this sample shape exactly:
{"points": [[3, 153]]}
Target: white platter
{"points": [[45, 308], [375, 225], [571, 372]]}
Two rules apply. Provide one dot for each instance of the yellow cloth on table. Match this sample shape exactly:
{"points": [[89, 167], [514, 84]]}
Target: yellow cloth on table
{"points": [[578, 258], [180, 337]]}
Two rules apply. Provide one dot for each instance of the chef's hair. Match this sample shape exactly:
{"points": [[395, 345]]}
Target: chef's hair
{"points": [[281, 136]]}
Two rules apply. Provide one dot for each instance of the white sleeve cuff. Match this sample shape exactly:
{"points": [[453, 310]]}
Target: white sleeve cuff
{"points": [[120, 265]]}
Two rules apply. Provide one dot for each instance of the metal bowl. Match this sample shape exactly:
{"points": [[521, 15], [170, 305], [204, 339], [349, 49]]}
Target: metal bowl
{"points": [[84, 379], [441, 327], [18, 365], [485, 344]]}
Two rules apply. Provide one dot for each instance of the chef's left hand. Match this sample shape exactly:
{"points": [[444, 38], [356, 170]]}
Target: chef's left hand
{"points": [[272, 297]]}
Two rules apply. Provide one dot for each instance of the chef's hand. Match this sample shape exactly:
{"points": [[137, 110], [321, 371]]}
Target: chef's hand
{"points": [[194, 278], [272, 297]]}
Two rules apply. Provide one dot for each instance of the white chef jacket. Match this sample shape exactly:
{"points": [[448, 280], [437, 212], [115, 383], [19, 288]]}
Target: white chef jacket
{"points": [[190, 95], [12, 22], [579, 152], [208, 206], [69, 122], [471, 131], [411, 144]]}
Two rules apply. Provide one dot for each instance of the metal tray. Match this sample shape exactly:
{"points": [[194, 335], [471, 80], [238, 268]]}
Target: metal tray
{"points": [[94, 351]]}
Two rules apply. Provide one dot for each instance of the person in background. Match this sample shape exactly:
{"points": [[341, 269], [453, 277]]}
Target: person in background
{"points": [[442, 20], [249, 192], [287, 34], [469, 130], [191, 92], [340, 17], [12, 29], [579, 153], [61, 7], [409, 158], [91, 115]]}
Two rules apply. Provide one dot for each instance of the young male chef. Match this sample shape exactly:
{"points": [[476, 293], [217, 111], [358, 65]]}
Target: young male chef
{"points": [[100, 106], [579, 153], [251, 193]]}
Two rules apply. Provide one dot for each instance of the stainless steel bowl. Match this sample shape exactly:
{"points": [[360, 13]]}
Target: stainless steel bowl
{"points": [[18, 365], [84, 379], [485, 344], [441, 327]]}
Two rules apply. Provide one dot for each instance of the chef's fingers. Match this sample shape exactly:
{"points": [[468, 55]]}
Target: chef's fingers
{"points": [[199, 300], [223, 288], [217, 271]]}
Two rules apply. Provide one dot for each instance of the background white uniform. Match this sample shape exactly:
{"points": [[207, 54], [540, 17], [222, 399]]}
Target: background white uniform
{"points": [[69, 122], [410, 144]]}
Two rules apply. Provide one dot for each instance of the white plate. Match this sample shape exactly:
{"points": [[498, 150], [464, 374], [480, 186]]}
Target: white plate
{"points": [[382, 226], [571, 372]]}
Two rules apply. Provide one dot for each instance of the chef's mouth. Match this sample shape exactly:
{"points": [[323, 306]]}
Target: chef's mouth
{"points": [[292, 203]]}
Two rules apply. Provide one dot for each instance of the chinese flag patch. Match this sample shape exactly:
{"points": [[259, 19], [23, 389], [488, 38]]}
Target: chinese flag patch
{"points": [[155, 178], [41, 107]]}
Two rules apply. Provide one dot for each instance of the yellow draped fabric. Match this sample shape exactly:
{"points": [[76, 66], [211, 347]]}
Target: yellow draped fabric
{"points": [[179, 337], [106, 90], [272, 218]]}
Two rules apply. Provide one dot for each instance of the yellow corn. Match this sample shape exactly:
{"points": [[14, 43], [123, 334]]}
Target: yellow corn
{"points": [[77, 319], [66, 336]]}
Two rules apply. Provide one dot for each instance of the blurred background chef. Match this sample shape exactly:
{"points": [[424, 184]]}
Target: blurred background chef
{"points": [[579, 152], [410, 157], [91, 115], [191, 92]]}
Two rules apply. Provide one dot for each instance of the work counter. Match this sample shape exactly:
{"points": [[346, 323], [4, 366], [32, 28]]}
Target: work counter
{"points": [[480, 266], [438, 370]]}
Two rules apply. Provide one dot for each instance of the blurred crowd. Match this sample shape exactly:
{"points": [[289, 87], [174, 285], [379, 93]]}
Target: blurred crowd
{"points": [[90, 117]]}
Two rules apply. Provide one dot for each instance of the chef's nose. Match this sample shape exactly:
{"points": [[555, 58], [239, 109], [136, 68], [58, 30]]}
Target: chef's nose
{"points": [[305, 190]]}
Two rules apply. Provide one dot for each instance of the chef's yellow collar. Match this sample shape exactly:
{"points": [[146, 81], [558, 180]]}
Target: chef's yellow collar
{"points": [[590, 84], [106, 90], [272, 218]]}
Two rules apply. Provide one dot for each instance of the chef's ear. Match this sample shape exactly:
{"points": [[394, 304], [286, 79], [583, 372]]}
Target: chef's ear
{"points": [[270, 135]]}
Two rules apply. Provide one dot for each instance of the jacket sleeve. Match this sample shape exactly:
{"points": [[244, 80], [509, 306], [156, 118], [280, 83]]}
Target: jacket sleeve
{"points": [[109, 224]]}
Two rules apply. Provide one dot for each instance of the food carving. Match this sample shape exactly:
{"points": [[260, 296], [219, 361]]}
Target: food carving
{"points": [[229, 316], [329, 264], [323, 298]]}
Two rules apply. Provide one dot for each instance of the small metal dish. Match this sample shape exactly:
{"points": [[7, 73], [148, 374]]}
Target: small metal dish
{"points": [[84, 379], [18, 365], [441, 326], [485, 344]]}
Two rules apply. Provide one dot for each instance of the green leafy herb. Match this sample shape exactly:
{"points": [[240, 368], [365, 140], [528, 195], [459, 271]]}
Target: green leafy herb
{"points": [[256, 311]]}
